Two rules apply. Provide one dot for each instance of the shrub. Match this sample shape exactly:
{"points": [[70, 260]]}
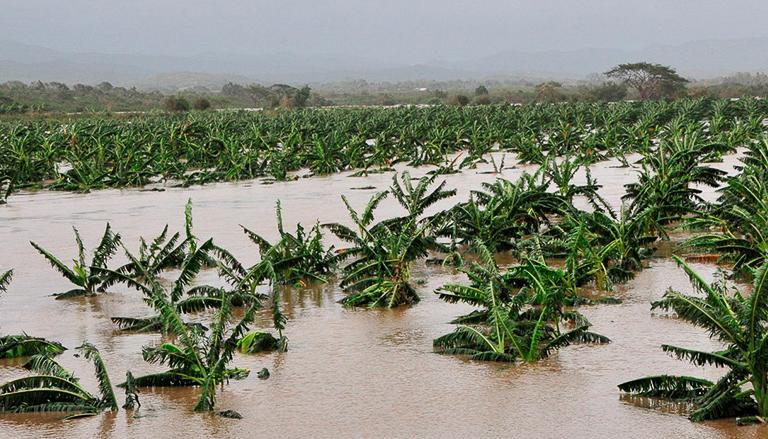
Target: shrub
{"points": [[460, 100], [173, 103], [201, 104]]}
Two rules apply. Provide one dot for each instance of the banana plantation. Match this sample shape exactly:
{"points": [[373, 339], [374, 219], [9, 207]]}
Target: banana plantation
{"points": [[613, 256]]}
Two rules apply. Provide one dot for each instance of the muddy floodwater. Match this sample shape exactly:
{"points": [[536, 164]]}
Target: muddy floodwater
{"points": [[348, 373]]}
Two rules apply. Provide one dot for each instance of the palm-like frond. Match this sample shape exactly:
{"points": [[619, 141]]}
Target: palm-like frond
{"points": [[193, 263], [464, 337], [102, 376], [45, 365], [416, 199], [87, 277], [164, 379], [58, 265], [44, 393], [577, 335], [106, 249], [14, 346], [5, 280], [702, 358], [137, 324], [725, 398], [667, 386]]}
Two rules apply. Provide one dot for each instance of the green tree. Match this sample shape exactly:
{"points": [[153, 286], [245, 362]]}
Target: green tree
{"points": [[301, 98], [652, 81]]}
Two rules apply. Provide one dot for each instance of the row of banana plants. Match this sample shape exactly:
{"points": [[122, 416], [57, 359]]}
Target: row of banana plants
{"points": [[90, 153]]}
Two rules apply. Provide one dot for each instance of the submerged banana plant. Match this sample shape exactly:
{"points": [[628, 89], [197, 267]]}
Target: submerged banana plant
{"points": [[382, 253], [86, 276], [736, 227], [185, 297], [512, 323], [197, 357], [55, 389], [736, 319], [668, 177], [97, 152], [161, 254], [379, 274], [505, 212], [298, 259]]}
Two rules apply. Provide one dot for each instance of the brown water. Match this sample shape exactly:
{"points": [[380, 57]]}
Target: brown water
{"points": [[349, 373]]}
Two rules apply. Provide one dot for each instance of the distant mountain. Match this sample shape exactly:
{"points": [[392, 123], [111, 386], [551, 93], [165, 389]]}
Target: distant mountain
{"points": [[710, 58], [24, 62], [172, 81], [697, 59]]}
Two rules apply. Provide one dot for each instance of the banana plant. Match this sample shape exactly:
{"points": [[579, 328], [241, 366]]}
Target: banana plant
{"points": [[608, 247], [667, 177], [97, 152], [504, 213], [56, 389], [736, 227], [417, 199], [562, 174], [197, 357], [161, 254], [737, 320], [299, 258], [86, 276], [513, 324], [382, 253], [185, 297]]}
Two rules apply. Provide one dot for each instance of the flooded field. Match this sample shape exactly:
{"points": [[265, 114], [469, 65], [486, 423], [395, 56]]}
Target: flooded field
{"points": [[348, 373]]}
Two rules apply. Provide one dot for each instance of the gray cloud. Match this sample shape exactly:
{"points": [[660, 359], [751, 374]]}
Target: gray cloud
{"points": [[398, 30]]}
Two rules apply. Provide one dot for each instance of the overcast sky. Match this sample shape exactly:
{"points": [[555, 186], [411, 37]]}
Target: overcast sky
{"points": [[400, 30]]}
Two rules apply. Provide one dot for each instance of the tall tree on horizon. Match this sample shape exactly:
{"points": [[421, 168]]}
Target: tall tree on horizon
{"points": [[652, 81]]}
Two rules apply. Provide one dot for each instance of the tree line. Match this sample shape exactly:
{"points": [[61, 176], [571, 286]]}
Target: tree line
{"points": [[631, 81]]}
